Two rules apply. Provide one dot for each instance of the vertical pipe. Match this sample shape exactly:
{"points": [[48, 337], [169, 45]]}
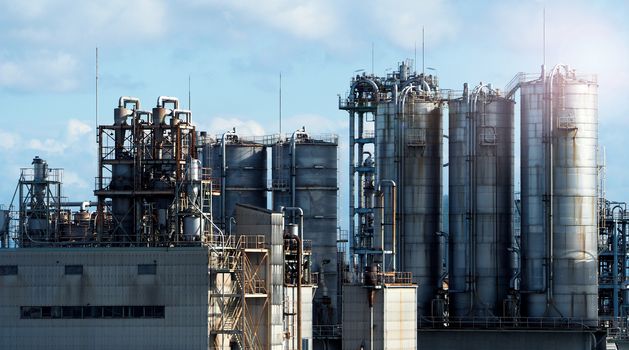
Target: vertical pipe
{"points": [[615, 267], [223, 179], [352, 176], [293, 169], [299, 271], [300, 249], [223, 205], [393, 186], [371, 322], [100, 210], [550, 189]]}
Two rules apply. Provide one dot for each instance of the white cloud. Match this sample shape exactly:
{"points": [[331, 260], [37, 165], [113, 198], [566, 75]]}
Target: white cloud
{"points": [[8, 141], [401, 23], [40, 71], [47, 146], [74, 140], [344, 26], [576, 34], [245, 127], [71, 23], [77, 128], [72, 179], [312, 20]]}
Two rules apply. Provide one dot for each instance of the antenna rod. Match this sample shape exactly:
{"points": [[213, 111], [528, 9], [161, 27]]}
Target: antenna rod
{"points": [[189, 98], [423, 44], [96, 111], [544, 37], [280, 105]]}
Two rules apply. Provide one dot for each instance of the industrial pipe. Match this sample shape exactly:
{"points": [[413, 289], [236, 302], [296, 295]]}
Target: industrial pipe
{"points": [[367, 81], [300, 249], [550, 189], [393, 186], [185, 112], [163, 100], [444, 273], [293, 166], [123, 100], [224, 137], [140, 113], [421, 82], [400, 110]]}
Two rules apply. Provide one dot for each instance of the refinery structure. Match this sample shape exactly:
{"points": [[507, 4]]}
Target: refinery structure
{"points": [[231, 241]]}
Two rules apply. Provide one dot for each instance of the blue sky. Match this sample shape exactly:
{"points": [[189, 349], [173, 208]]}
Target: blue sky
{"points": [[234, 51]]}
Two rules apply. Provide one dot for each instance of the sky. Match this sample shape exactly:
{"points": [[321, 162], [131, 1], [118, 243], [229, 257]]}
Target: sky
{"points": [[234, 51]]}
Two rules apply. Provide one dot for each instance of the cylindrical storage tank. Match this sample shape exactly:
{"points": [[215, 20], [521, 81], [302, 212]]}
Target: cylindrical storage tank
{"points": [[194, 170], [409, 151], [40, 177], [243, 179], [192, 228], [122, 180], [40, 169], [315, 179], [559, 196], [480, 203]]}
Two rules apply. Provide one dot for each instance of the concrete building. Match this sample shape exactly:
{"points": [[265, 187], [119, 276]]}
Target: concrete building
{"points": [[391, 323]]}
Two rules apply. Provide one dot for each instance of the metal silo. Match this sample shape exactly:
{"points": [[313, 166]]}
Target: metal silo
{"points": [[239, 167], [122, 172], [305, 175], [408, 147], [559, 196], [481, 202]]}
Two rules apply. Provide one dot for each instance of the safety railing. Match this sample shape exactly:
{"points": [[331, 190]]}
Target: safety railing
{"points": [[52, 175], [102, 183], [278, 184], [358, 104], [369, 134], [416, 137], [507, 323], [518, 79], [314, 278], [327, 331], [618, 332], [251, 242], [395, 278]]}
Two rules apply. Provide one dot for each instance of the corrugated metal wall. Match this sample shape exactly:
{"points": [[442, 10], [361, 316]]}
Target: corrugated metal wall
{"points": [[110, 277]]}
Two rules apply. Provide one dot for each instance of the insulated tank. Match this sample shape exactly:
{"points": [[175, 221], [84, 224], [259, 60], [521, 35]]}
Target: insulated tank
{"points": [[241, 175], [305, 175], [559, 196], [408, 147], [122, 178], [480, 201]]}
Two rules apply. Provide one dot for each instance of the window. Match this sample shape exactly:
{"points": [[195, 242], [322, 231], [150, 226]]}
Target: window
{"points": [[6, 270], [72, 312], [147, 269], [92, 312], [74, 269]]}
